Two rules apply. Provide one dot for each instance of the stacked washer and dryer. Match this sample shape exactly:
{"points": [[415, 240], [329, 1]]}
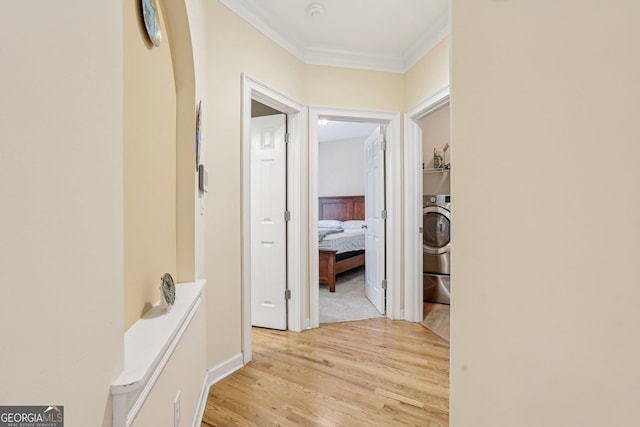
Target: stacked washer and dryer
{"points": [[436, 244]]}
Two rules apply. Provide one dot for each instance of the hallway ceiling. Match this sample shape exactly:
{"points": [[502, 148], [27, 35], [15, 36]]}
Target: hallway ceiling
{"points": [[333, 130], [381, 35]]}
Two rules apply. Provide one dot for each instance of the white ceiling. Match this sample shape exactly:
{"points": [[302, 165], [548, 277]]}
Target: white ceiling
{"points": [[335, 130], [382, 35]]}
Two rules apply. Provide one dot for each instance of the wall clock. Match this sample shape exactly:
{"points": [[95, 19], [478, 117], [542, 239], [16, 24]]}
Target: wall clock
{"points": [[151, 21], [168, 289]]}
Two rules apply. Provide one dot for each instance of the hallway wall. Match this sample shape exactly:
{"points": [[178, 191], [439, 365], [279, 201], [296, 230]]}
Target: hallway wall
{"points": [[545, 299], [61, 187], [149, 139], [234, 47]]}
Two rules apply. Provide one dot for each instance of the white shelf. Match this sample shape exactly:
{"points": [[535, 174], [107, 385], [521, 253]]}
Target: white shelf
{"points": [[148, 344], [435, 170]]}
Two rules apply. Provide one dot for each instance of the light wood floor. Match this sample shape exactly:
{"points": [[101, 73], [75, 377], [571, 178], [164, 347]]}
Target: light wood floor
{"points": [[436, 318], [375, 372]]}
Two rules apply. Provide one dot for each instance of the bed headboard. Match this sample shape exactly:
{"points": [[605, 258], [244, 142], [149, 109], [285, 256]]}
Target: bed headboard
{"points": [[342, 208]]}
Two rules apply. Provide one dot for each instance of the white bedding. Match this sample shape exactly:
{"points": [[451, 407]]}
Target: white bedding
{"points": [[350, 240]]}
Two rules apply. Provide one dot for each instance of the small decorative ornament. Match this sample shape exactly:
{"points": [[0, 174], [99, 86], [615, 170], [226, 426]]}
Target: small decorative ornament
{"points": [[438, 158], [168, 289], [151, 21]]}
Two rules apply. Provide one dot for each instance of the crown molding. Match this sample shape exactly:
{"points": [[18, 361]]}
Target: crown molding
{"points": [[342, 58], [261, 25], [429, 39], [348, 59]]}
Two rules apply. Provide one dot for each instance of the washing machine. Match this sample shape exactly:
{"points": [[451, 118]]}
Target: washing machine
{"points": [[436, 248]]}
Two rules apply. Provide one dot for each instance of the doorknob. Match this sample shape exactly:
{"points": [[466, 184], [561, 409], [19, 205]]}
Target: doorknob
{"points": [[364, 225]]}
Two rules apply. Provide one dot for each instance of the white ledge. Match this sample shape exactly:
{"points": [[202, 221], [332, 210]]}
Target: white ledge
{"points": [[148, 345]]}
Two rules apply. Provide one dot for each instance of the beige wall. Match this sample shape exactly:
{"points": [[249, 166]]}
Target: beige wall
{"points": [[428, 76], [149, 164], [233, 47], [436, 133], [341, 167], [188, 49], [545, 289], [61, 257], [356, 89]]}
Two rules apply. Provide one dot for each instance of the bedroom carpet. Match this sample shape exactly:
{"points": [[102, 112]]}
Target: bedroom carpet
{"points": [[348, 302]]}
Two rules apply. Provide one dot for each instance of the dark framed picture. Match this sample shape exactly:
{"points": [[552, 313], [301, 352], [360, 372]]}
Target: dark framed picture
{"points": [[198, 132]]}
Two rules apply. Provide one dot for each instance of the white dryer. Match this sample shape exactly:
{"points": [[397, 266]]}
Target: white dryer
{"points": [[436, 245]]}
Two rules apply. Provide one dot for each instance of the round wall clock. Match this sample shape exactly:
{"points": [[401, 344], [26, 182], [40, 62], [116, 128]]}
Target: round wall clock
{"points": [[151, 21], [168, 289]]}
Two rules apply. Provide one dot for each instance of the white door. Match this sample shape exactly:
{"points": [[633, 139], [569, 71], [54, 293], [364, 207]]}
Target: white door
{"points": [[268, 226], [375, 224]]}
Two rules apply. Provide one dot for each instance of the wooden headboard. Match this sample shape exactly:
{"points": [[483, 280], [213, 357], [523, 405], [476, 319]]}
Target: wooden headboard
{"points": [[342, 208]]}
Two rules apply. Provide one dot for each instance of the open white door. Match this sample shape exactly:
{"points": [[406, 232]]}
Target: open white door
{"points": [[268, 225], [374, 217]]}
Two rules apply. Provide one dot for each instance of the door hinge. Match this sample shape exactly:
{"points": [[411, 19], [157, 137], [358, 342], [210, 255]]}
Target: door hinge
{"points": [[384, 283], [287, 294], [383, 214], [420, 230], [286, 138], [287, 216], [383, 145]]}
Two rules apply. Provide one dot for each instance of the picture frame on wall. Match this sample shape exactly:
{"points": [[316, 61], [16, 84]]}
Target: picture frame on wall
{"points": [[198, 132]]}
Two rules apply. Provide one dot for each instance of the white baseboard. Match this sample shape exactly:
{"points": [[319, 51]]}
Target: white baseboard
{"points": [[212, 376], [202, 402]]}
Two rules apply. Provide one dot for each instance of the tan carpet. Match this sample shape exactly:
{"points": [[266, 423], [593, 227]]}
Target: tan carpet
{"points": [[348, 302]]}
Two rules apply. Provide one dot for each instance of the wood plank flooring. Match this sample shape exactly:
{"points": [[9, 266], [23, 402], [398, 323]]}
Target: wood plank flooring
{"points": [[436, 318], [374, 372]]}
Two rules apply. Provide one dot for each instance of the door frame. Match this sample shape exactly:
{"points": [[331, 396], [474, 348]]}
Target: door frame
{"points": [[296, 197], [393, 188], [413, 201]]}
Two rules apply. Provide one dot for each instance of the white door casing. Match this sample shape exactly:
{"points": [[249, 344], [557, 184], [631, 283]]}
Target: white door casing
{"points": [[393, 190], [268, 225], [413, 202], [297, 196], [375, 222]]}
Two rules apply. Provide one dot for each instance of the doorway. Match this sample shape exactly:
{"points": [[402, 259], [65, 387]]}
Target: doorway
{"points": [[295, 193], [347, 283], [268, 217], [413, 203], [390, 206]]}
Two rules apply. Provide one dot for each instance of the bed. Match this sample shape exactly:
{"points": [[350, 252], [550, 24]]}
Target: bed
{"points": [[340, 251]]}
